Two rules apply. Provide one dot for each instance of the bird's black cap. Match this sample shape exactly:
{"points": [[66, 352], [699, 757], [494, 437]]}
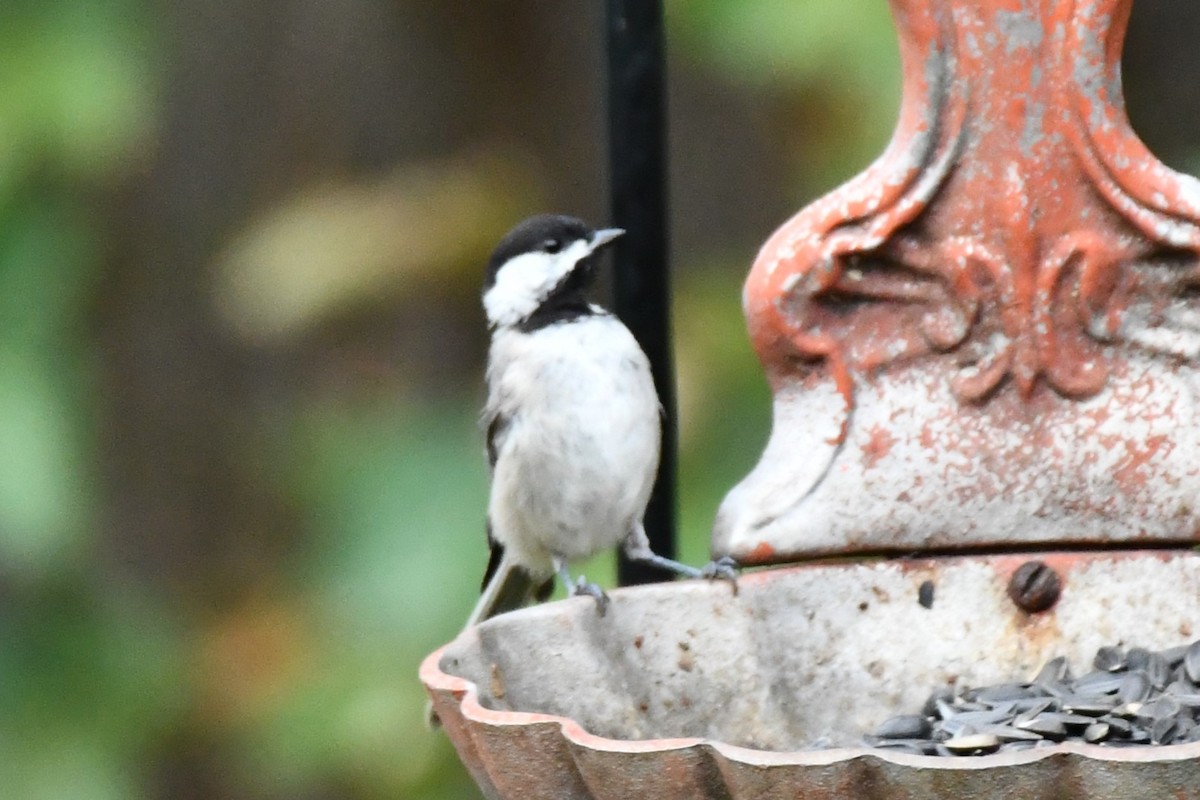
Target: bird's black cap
{"points": [[535, 233]]}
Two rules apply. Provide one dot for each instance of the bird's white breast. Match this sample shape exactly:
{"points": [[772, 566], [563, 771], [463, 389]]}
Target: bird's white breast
{"points": [[578, 456]]}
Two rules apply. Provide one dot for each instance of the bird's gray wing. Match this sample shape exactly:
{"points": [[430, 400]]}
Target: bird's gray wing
{"points": [[518, 584], [540, 593], [497, 427], [496, 554]]}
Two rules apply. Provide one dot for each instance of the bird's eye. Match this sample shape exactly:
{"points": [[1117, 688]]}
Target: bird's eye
{"points": [[552, 245]]}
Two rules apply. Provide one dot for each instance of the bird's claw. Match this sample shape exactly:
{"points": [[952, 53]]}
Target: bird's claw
{"points": [[582, 587], [724, 568]]}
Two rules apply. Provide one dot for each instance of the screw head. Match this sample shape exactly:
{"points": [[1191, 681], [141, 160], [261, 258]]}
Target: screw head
{"points": [[1034, 587], [925, 594]]}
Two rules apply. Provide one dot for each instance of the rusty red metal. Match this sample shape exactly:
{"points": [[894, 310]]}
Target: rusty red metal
{"points": [[989, 337], [689, 691]]}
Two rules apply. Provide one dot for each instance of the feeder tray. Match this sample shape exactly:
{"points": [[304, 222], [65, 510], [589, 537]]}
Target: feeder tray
{"points": [[688, 691]]}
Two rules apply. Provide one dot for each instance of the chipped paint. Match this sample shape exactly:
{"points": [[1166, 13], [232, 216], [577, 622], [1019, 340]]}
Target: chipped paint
{"points": [[1027, 257], [1020, 29], [761, 553], [1034, 131]]}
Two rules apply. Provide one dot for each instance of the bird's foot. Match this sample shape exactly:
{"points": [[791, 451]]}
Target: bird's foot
{"points": [[637, 548], [582, 587], [724, 568]]}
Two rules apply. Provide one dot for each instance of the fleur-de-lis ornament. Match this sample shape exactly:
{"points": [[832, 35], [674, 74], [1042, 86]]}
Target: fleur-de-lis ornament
{"points": [[990, 336]]}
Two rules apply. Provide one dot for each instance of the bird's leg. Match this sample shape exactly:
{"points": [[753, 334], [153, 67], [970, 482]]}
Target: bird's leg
{"points": [[579, 586], [637, 548]]}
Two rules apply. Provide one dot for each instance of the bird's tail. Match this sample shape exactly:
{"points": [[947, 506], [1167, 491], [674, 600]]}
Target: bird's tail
{"points": [[510, 587]]}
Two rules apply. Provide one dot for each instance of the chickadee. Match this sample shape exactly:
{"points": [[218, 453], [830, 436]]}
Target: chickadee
{"points": [[572, 419]]}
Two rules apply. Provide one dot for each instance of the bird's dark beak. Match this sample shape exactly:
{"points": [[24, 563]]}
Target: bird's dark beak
{"points": [[602, 237]]}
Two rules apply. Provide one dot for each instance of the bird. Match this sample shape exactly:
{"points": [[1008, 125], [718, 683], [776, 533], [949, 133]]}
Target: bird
{"points": [[572, 420]]}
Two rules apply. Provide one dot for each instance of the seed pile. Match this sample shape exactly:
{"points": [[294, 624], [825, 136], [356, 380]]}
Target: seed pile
{"points": [[1132, 697]]}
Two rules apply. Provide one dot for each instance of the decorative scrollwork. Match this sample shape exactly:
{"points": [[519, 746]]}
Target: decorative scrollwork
{"points": [[1015, 226]]}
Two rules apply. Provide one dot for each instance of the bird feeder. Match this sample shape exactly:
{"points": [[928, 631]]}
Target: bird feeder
{"points": [[983, 352]]}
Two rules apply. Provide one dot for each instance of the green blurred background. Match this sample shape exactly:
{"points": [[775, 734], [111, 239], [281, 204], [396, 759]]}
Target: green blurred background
{"points": [[241, 482]]}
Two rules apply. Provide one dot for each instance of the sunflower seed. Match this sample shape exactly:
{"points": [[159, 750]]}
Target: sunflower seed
{"points": [[1053, 671], [931, 707], [1099, 682], [1088, 705], [1132, 697], [988, 717], [1008, 707], [971, 705], [946, 710], [1165, 707], [1007, 733], [1096, 732], [1179, 688], [1122, 728], [1035, 711], [1046, 728], [1157, 671], [1127, 710], [1136, 658], [1004, 692], [975, 744], [1073, 722], [1181, 677], [1174, 655], [1191, 662], [1039, 703], [1139, 735], [905, 726], [956, 727], [1109, 659], [1135, 687], [1164, 731]]}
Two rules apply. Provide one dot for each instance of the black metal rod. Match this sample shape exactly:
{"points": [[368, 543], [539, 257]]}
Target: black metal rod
{"points": [[637, 155]]}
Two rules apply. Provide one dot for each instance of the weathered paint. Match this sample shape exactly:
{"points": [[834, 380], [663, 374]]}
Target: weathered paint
{"points": [[1019, 270], [686, 690]]}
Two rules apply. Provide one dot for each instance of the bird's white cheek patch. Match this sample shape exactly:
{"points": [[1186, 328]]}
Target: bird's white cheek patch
{"points": [[525, 281]]}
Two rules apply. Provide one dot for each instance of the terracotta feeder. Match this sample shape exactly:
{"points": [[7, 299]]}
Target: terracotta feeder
{"points": [[983, 356]]}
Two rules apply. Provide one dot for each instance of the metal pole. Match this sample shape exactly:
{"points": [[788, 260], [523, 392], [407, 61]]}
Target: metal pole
{"points": [[637, 169]]}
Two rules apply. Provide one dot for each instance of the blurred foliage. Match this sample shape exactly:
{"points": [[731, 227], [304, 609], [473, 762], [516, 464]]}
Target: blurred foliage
{"points": [[73, 103], [74, 95], [830, 67], [338, 245], [305, 686], [87, 678]]}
